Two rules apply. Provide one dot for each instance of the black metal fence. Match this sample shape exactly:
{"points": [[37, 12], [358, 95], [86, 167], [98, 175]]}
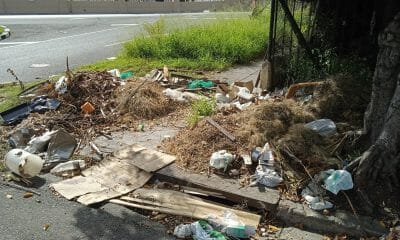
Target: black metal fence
{"points": [[289, 52]]}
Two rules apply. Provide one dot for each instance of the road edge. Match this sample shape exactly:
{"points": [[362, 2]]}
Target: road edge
{"points": [[6, 33]]}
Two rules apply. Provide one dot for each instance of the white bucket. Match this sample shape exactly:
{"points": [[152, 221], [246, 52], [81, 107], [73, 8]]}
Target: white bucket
{"points": [[24, 163]]}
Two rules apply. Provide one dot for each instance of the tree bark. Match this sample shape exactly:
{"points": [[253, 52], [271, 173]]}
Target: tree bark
{"points": [[382, 119]]}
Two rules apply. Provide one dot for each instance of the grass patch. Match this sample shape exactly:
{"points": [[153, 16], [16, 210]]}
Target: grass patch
{"points": [[201, 108], [208, 45], [9, 95], [1, 29]]}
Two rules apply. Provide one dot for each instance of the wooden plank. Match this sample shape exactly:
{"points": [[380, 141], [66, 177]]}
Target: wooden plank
{"points": [[143, 158], [221, 129], [230, 189], [186, 205]]}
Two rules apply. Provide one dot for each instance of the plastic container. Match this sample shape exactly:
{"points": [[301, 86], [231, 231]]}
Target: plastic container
{"points": [[23, 163], [221, 159]]}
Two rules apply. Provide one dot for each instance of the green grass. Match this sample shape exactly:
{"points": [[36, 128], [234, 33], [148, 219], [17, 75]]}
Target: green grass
{"points": [[9, 95], [1, 29], [201, 108], [209, 45]]}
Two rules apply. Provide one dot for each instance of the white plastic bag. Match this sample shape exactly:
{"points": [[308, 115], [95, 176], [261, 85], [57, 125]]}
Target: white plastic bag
{"points": [[265, 176], [221, 159], [324, 127], [338, 180]]}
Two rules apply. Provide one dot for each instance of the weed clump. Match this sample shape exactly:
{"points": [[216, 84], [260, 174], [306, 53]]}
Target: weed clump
{"points": [[201, 108]]}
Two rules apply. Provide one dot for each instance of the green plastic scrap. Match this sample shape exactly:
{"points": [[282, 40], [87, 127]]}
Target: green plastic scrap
{"points": [[126, 75], [198, 83], [213, 234]]}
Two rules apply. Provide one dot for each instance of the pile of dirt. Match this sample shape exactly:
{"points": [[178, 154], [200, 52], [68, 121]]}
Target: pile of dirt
{"points": [[270, 121], [341, 99], [253, 127], [193, 146], [145, 100]]}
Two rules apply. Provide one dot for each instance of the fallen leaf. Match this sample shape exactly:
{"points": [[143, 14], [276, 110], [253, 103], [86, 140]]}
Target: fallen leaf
{"points": [[28, 195]]}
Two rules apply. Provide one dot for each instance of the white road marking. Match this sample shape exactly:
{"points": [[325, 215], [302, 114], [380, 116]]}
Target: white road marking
{"points": [[39, 65], [67, 37], [113, 44], [73, 19], [16, 43], [123, 24]]}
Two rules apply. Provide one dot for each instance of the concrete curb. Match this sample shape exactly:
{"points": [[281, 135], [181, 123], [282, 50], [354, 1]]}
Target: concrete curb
{"points": [[6, 33], [340, 222]]}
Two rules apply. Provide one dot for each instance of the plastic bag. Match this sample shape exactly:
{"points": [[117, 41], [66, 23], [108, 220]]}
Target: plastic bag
{"points": [[325, 127], [265, 176], [221, 159], [200, 230], [338, 180]]}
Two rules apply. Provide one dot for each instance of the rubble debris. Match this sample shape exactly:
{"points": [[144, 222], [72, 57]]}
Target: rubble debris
{"points": [[69, 169], [61, 146], [181, 204], [324, 127], [23, 163], [20, 137]]}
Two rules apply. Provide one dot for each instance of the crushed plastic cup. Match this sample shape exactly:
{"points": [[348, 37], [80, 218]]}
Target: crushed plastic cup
{"points": [[338, 180]]}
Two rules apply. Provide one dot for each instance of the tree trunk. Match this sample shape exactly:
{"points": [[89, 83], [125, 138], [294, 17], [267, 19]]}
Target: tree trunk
{"points": [[382, 119]]}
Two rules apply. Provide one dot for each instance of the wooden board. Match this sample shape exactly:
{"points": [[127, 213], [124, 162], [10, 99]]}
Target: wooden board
{"points": [[182, 204], [230, 189], [143, 158]]}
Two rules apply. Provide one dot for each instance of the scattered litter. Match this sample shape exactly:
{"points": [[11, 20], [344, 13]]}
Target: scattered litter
{"points": [[126, 75], [195, 84], [9, 196], [180, 96], [61, 146], [42, 104], [221, 160], [199, 230], [39, 144], [69, 169], [23, 163], [313, 195], [325, 127], [46, 227], [20, 137], [243, 106], [28, 195], [338, 180], [87, 108], [244, 93], [115, 73], [265, 172], [61, 85]]}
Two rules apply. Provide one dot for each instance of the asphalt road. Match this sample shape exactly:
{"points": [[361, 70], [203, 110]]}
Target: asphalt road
{"points": [[25, 218], [39, 44]]}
